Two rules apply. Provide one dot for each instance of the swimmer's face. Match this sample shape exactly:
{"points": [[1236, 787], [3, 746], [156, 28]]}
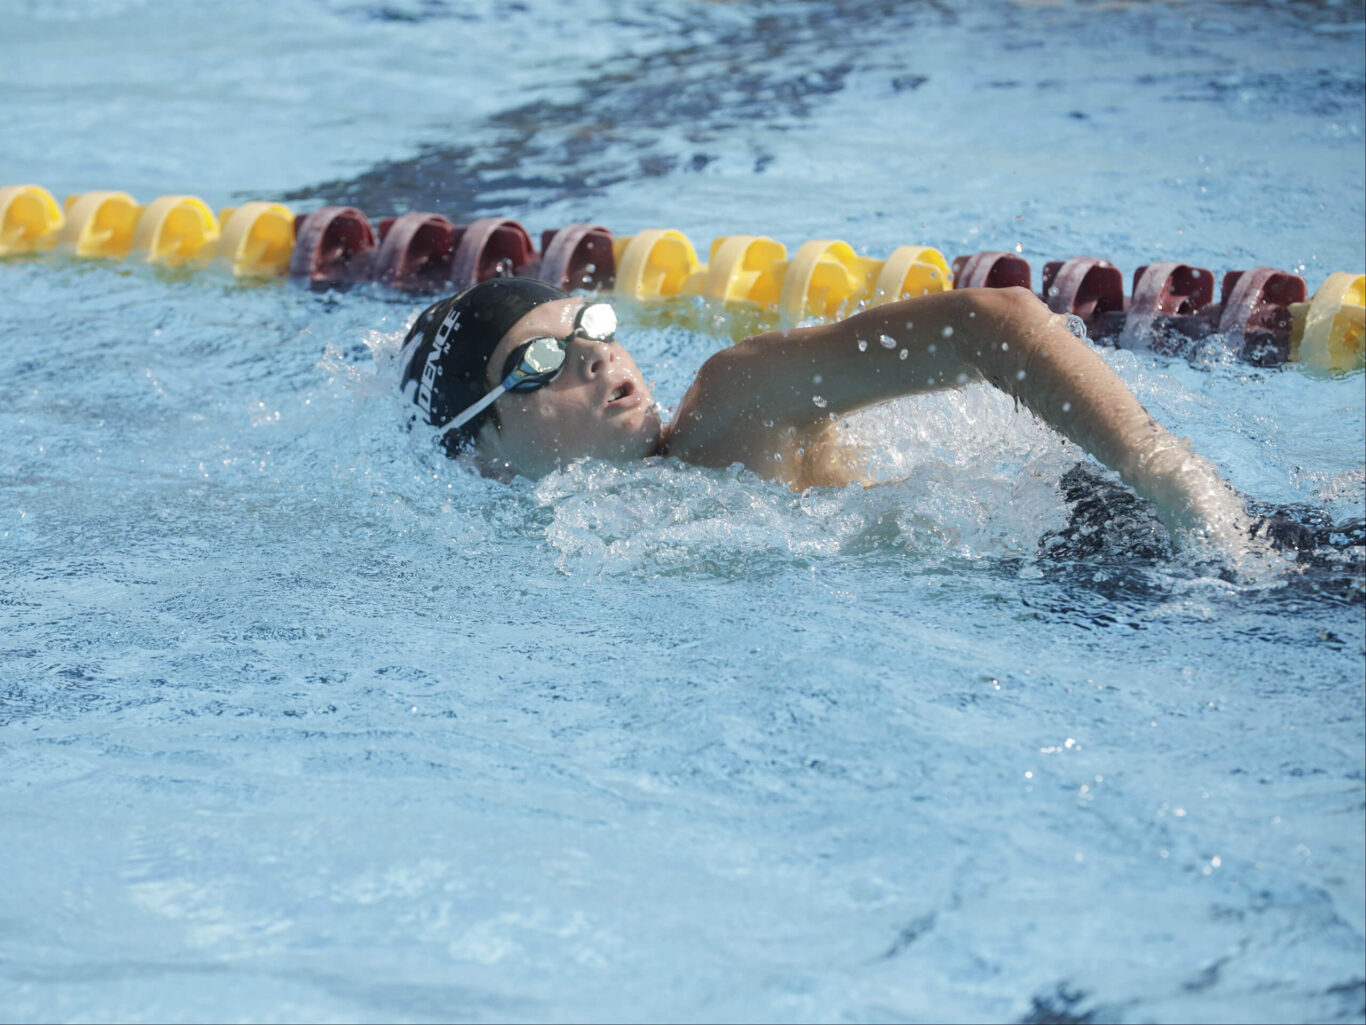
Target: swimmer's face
{"points": [[597, 406]]}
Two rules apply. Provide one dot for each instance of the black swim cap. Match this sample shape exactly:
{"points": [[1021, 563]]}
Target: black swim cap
{"points": [[447, 351]]}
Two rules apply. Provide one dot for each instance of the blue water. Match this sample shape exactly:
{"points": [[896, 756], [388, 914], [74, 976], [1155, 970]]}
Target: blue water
{"points": [[302, 722]]}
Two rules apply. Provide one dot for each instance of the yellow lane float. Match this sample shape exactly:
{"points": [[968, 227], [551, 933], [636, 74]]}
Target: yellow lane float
{"points": [[826, 278], [741, 270], [99, 225], [657, 263], [257, 239], [175, 230], [911, 271], [823, 277], [1327, 332], [29, 219]]}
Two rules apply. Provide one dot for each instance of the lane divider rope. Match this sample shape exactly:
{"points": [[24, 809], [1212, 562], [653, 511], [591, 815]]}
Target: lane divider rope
{"points": [[1264, 315]]}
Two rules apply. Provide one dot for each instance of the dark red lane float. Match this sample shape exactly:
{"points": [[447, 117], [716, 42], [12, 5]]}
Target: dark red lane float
{"points": [[414, 252], [1255, 317], [991, 269], [332, 245], [1088, 287], [578, 256], [490, 247], [1168, 299]]}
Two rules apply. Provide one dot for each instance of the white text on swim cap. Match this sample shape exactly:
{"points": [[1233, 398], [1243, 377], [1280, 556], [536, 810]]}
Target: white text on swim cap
{"points": [[439, 344]]}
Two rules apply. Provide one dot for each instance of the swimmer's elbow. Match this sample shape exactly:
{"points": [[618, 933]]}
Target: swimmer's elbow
{"points": [[997, 308]]}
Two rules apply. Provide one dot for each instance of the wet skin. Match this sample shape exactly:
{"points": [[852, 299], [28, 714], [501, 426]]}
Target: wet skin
{"points": [[599, 404], [755, 403]]}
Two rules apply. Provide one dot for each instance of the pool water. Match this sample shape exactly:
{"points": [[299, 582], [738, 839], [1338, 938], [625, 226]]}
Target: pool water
{"points": [[304, 722]]}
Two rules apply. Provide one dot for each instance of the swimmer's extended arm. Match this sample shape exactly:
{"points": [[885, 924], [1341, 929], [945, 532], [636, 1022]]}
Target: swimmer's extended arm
{"points": [[751, 395]]}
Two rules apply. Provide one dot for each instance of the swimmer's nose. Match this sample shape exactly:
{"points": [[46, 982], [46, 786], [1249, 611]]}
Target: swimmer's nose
{"points": [[593, 357]]}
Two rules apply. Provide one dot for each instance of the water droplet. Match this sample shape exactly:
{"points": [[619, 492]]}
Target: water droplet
{"points": [[932, 348], [1067, 407], [947, 332], [862, 345], [816, 378], [768, 423], [777, 457], [888, 342], [1005, 346], [1019, 375], [902, 354], [962, 378], [818, 401]]}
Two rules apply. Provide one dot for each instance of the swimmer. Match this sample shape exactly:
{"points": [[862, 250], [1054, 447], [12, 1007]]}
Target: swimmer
{"points": [[528, 378]]}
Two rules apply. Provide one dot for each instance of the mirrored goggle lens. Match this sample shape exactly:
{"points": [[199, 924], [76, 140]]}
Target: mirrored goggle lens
{"points": [[598, 322], [534, 364]]}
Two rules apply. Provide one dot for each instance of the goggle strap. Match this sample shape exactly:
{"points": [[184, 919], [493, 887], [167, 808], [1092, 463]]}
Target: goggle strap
{"points": [[465, 416]]}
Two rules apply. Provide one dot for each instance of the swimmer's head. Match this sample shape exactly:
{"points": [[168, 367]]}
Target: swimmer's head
{"points": [[448, 349], [461, 349]]}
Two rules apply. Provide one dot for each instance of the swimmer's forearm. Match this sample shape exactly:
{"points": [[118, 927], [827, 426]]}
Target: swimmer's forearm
{"points": [[1012, 340], [1026, 351]]}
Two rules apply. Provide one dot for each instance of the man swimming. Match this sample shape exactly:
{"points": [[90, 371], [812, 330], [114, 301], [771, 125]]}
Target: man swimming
{"points": [[529, 378]]}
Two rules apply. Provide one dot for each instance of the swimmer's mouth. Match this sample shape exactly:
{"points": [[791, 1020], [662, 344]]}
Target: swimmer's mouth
{"points": [[622, 393]]}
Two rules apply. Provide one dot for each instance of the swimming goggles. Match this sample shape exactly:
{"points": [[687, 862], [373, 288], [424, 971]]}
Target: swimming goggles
{"points": [[535, 363]]}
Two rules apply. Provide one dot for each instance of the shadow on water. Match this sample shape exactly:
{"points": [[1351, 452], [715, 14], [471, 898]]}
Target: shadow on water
{"points": [[724, 70], [775, 65], [1114, 546]]}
